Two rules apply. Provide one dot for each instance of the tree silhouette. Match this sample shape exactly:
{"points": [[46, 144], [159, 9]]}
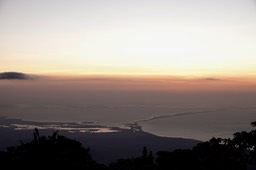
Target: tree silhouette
{"points": [[180, 159], [56, 151], [145, 161], [60, 152], [253, 124]]}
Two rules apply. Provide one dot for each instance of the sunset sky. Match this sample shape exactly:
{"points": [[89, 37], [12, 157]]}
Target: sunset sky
{"points": [[137, 37], [177, 68]]}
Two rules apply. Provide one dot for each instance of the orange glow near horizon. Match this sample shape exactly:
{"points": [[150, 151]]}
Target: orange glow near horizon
{"points": [[152, 83], [187, 39]]}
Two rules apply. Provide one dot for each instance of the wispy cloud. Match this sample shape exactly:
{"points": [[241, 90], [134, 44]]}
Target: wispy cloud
{"points": [[212, 79]]}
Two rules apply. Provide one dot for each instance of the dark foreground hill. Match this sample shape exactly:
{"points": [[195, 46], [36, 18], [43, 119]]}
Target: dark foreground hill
{"points": [[104, 147], [59, 152]]}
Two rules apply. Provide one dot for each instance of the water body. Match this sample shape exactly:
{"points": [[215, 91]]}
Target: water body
{"points": [[126, 102]]}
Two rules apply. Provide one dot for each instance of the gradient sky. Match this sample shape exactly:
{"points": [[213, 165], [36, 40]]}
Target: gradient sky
{"points": [[168, 37]]}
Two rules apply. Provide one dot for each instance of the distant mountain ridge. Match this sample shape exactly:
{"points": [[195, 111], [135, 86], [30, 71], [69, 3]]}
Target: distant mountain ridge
{"points": [[14, 76]]}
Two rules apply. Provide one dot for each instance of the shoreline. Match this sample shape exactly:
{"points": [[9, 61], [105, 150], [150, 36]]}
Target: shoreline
{"points": [[105, 146]]}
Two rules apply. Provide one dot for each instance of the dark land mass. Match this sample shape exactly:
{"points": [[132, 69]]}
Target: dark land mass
{"points": [[56, 151], [107, 147], [104, 147]]}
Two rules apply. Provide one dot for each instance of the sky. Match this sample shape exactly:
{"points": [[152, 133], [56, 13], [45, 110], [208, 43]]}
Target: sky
{"points": [[135, 37]]}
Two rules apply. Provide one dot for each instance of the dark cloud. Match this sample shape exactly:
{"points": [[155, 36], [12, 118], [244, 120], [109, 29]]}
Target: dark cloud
{"points": [[14, 76], [212, 79]]}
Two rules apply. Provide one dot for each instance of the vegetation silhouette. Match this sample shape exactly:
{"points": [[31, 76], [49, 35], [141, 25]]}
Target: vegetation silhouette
{"points": [[50, 152], [145, 161], [56, 151]]}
